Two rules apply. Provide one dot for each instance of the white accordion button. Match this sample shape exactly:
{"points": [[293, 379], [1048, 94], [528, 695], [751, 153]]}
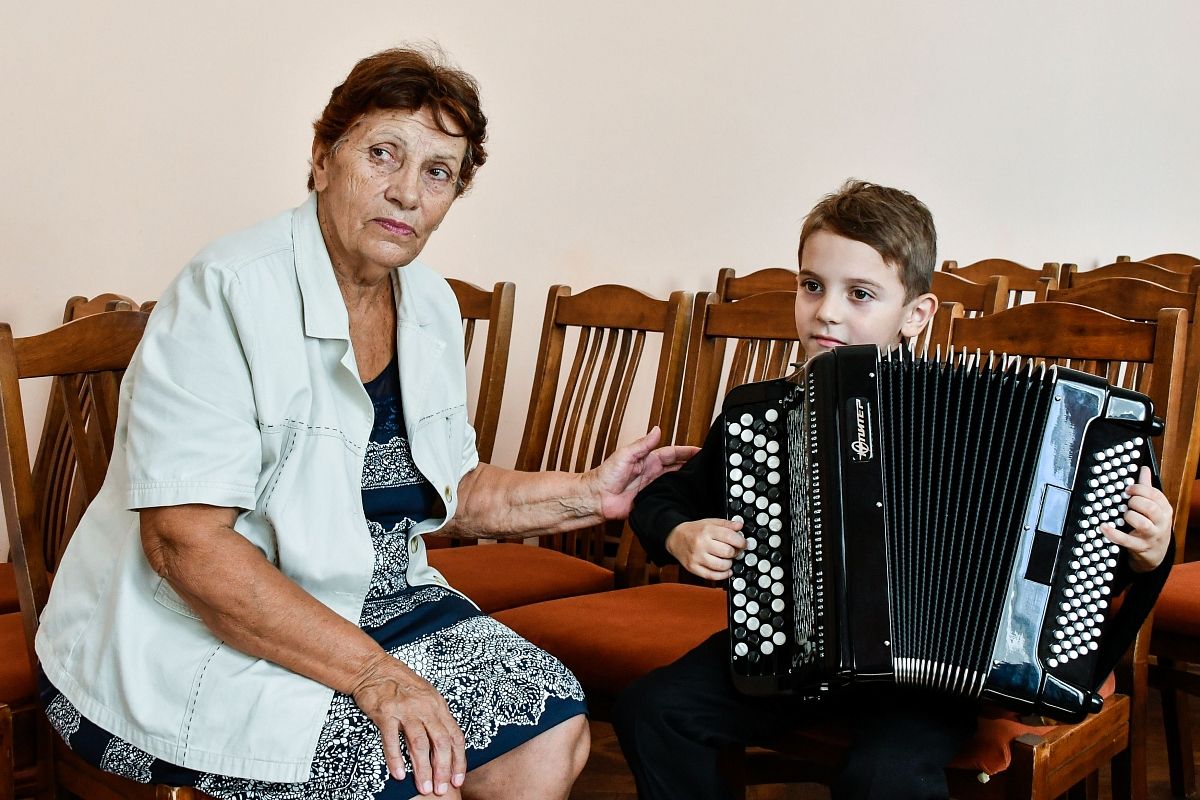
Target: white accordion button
{"points": [[775, 509], [752, 608], [767, 647], [777, 589], [775, 525], [751, 559], [739, 616], [773, 462], [760, 456], [762, 518], [734, 429], [772, 446], [771, 415], [747, 435], [760, 440], [761, 503], [772, 478], [748, 481], [735, 490], [738, 584], [739, 600], [735, 474], [741, 649], [779, 638], [735, 459], [752, 623], [777, 605], [777, 573], [746, 419], [764, 580]]}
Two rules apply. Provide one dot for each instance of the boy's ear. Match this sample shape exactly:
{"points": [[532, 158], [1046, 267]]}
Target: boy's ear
{"points": [[919, 311]]}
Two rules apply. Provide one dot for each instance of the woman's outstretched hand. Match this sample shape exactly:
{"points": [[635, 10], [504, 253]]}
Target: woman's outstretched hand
{"points": [[399, 701], [628, 470]]}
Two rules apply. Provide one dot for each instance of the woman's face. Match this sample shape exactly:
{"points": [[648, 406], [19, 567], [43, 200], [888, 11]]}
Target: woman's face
{"points": [[384, 188]]}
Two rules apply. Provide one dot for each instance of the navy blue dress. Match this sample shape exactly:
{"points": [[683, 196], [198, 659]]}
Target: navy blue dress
{"points": [[501, 689]]}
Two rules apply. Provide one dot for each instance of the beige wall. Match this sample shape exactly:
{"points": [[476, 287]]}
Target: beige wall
{"points": [[634, 142]]}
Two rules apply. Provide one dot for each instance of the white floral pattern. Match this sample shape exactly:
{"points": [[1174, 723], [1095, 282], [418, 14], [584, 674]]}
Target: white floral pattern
{"points": [[390, 572], [123, 759], [390, 464], [63, 717]]}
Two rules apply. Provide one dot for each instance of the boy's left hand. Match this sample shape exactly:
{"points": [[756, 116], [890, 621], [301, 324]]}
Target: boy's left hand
{"points": [[1149, 519]]}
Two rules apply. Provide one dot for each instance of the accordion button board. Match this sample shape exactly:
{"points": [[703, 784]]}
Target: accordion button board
{"points": [[932, 523]]}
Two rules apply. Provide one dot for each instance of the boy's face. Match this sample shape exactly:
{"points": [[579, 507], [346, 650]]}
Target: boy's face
{"points": [[847, 294]]}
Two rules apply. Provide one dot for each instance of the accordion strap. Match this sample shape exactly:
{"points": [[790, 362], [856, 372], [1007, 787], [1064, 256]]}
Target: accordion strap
{"points": [[1135, 607]]}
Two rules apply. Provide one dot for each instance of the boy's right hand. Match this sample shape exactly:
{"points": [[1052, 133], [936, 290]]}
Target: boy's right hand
{"points": [[707, 547]]}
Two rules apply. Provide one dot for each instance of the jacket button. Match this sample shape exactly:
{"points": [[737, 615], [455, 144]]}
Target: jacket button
{"points": [[446, 492], [415, 544]]}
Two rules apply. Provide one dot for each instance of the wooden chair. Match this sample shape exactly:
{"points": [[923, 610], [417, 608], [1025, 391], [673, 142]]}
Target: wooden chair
{"points": [[1023, 281], [87, 358], [1185, 281], [652, 619], [496, 309], [589, 362], [1180, 262]]}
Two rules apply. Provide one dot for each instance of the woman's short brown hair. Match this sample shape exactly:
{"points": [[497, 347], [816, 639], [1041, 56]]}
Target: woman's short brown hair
{"points": [[895, 224], [408, 79]]}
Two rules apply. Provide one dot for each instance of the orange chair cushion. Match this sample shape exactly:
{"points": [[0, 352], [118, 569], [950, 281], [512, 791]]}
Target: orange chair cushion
{"points": [[8, 589], [17, 685], [610, 639], [1178, 608], [504, 576]]}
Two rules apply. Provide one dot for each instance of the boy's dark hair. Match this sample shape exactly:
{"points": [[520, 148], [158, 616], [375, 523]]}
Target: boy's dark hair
{"points": [[895, 224]]}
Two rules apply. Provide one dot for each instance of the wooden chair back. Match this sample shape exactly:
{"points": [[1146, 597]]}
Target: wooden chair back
{"points": [[590, 366], [87, 357], [1180, 262], [60, 499], [762, 331], [730, 287], [1023, 281], [495, 309], [1187, 281]]}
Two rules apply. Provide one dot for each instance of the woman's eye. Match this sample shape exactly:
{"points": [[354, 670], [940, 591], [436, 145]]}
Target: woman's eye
{"points": [[381, 153], [439, 173]]}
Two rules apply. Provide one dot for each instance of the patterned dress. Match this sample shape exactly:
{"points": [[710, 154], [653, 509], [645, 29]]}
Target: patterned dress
{"points": [[501, 689]]}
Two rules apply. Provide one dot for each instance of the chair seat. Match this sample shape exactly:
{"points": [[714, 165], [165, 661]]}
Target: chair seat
{"points": [[8, 589], [504, 576], [610, 639], [1176, 609], [17, 684]]}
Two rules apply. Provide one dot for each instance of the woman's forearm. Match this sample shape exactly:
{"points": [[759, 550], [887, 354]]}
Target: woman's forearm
{"points": [[502, 503], [248, 603]]}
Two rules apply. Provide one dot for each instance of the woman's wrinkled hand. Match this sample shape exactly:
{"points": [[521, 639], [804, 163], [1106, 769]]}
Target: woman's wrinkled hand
{"points": [[628, 470], [401, 702]]}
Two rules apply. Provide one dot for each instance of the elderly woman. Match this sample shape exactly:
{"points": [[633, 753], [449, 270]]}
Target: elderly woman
{"points": [[247, 607]]}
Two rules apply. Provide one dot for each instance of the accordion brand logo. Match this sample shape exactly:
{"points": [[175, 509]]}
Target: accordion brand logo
{"points": [[860, 433]]}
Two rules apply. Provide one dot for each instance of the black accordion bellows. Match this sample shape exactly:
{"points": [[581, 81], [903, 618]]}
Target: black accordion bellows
{"points": [[929, 522]]}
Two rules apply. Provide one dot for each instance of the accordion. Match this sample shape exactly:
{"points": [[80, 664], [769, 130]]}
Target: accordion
{"points": [[933, 523]]}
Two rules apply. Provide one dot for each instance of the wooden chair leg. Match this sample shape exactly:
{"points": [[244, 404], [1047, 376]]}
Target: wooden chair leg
{"points": [[733, 768], [7, 784], [1178, 728]]}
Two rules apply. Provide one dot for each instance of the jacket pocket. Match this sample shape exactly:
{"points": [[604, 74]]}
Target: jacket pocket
{"points": [[165, 596]]}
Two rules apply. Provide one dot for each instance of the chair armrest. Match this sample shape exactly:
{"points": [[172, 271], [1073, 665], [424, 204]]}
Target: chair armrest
{"points": [[7, 785]]}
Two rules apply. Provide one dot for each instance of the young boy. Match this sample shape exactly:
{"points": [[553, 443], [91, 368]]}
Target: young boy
{"points": [[866, 260]]}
